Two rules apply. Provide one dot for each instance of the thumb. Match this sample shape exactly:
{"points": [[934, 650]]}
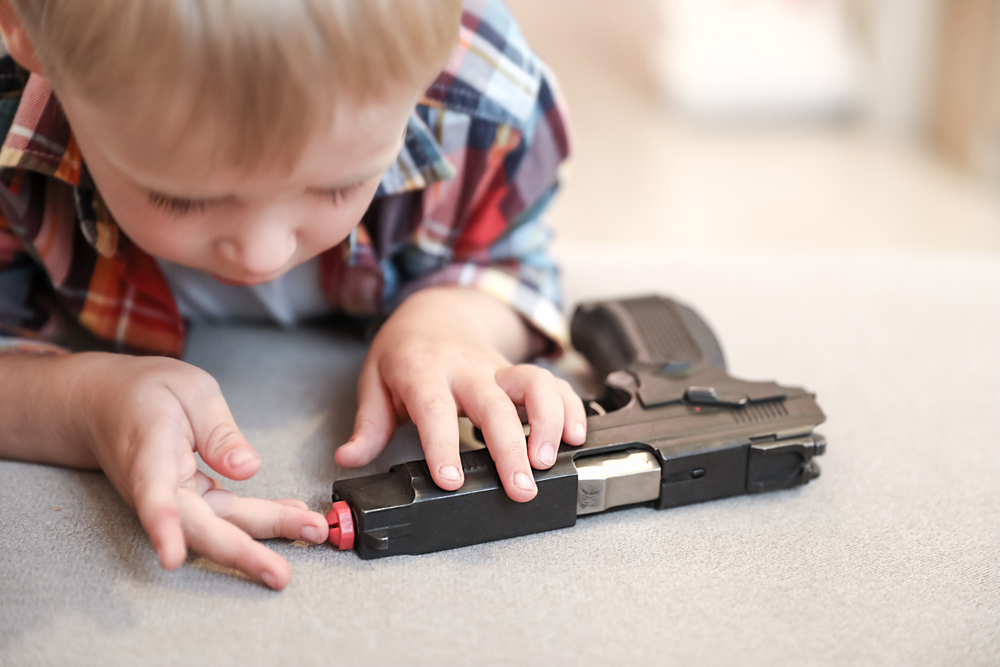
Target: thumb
{"points": [[227, 452], [374, 424], [218, 440]]}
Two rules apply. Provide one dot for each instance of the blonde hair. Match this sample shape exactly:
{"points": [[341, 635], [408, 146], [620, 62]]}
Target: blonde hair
{"points": [[272, 69]]}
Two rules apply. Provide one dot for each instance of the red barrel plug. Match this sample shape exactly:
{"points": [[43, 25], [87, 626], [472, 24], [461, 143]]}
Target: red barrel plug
{"points": [[341, 526]]}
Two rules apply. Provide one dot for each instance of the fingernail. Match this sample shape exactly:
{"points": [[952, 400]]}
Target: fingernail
{"points": [[547, 453], [269, 579], [522, 480], [450, 473], [310, 534], [579, 429], [240, 457]]}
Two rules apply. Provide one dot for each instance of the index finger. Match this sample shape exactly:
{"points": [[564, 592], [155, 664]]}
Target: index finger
{"points": [[222, 542], [432, 408], [263, 519]]}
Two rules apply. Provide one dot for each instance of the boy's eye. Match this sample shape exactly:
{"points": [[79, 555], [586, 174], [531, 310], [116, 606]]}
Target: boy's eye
{"points": [[175, 206], [338, 195]]}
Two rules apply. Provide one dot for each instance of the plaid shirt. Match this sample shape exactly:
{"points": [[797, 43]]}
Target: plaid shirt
{"points": [[462, 205]]}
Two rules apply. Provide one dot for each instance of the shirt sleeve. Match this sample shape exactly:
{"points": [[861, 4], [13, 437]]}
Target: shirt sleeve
{"points": [[486, 228]]}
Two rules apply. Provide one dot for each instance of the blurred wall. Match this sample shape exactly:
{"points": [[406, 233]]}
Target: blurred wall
{"points": [[901, 42], [928, 70], [644, 173]]}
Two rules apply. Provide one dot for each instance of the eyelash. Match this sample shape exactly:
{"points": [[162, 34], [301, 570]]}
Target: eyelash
{"points": [[176, 206], [181, 207], [339, 195]]}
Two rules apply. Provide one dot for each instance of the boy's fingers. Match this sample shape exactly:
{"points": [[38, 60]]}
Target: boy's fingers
{"points": [[489, 407], [264, 519], [575, 426], [374, 423], [224, 543], [201, 483], [154, 492], [536, 389], [217, 438], [432, 408], [291, 502]]}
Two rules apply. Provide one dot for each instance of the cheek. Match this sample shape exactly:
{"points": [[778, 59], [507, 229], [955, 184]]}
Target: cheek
{"points": [[326, 228], [163, 236], [329, 225]]}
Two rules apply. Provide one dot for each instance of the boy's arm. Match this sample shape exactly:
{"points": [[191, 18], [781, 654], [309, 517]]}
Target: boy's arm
{"points": [[451, 347]]}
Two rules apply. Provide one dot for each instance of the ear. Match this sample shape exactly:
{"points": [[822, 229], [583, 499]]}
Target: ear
{"points": [[18, 44]]}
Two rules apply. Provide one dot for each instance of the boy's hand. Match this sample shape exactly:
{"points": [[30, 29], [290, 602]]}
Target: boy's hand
{"points": [[146, 418], [441, 355]]}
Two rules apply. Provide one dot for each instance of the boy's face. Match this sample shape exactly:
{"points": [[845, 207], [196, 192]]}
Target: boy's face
{"points": [[181, 205]]}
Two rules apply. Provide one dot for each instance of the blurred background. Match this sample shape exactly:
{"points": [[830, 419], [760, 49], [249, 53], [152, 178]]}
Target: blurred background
{"points": [[777, 123]]}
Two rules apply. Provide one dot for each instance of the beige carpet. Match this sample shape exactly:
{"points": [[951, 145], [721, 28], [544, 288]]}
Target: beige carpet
{"points": [[892, 557]]}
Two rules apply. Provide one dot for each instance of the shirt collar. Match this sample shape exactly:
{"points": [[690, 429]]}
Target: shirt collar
{"points": [[39, 138], [420, 163]]}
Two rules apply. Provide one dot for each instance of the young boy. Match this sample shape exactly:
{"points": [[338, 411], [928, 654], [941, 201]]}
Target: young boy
{"points": [[185, 159]]}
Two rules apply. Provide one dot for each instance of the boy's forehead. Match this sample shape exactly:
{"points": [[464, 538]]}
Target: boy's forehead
{"points": [[361, 141]]}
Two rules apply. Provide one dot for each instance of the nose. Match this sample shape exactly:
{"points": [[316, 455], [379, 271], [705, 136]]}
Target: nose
{"points": [[258, 250]]}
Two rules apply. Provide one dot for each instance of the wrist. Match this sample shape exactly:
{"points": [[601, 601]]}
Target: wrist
{"points": [[43, 402]]}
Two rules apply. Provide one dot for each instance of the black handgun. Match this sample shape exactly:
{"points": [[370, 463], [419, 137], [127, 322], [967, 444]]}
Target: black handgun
{"points": [[671, 428]]}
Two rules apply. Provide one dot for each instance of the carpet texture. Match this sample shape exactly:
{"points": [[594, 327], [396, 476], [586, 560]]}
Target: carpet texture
{"points": [[891, 557]]}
